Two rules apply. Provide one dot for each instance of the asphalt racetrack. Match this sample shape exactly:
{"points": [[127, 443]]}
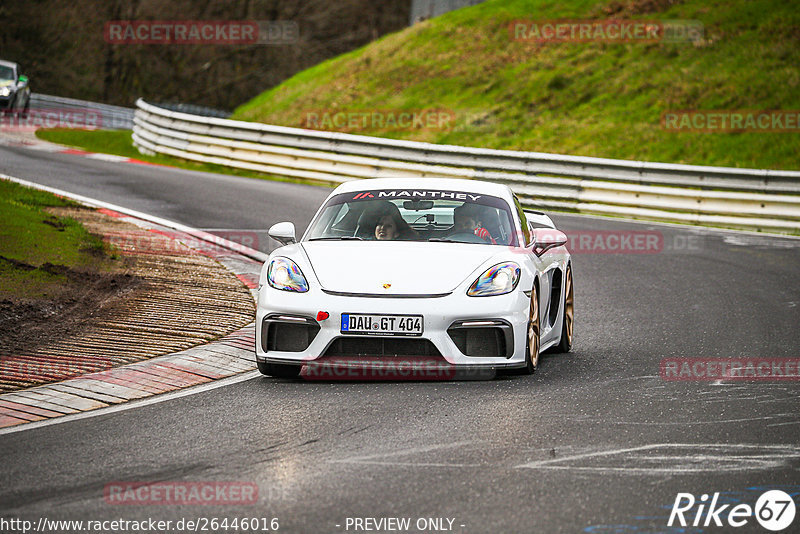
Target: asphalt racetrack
{"points": [[596, 441]]}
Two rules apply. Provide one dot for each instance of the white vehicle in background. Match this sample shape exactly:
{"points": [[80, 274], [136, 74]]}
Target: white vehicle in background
{"points": [[15, 93], [453, 271]]}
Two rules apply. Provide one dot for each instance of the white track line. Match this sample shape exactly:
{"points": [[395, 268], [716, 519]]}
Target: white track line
{"points": [[163, 397], [547, 464]]}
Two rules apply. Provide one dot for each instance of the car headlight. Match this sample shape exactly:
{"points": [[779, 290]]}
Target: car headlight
{"points": [[5, 91], [497, 280], [284, 274]]}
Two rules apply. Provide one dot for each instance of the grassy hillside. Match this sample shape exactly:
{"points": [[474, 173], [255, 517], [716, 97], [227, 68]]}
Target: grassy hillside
{"points": [[592, 99]]}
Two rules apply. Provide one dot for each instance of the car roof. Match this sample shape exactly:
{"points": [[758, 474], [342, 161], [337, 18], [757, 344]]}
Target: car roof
{"points": [[8, 64], [446, 184]]}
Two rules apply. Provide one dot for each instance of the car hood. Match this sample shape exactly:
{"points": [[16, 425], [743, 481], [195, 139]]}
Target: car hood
{"points": [[408, 268]]}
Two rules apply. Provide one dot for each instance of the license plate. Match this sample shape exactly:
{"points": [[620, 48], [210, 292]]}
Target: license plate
{"points": [[384, 325]]}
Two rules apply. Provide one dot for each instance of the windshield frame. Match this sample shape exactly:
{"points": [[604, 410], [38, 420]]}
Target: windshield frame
{"points": [[507, 222]]}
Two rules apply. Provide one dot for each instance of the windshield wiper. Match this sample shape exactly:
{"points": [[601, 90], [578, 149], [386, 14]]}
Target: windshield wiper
{"points": [[448, 240], [340, 238]]}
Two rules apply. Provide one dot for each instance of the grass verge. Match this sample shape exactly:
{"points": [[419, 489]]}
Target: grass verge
{"points": [[38, 249]]}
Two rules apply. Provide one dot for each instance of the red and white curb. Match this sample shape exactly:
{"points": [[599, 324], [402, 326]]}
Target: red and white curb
{"points": [[33, 143], [227, 357], [230, 356]]}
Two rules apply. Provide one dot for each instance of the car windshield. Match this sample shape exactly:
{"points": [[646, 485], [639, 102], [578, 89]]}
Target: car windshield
{"points": [[6, 73], [415, 215]]}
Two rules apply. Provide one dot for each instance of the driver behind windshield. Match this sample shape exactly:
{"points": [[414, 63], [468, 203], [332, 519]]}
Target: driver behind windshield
{"points": [[389, 224], [467, 220], [386, 228]]}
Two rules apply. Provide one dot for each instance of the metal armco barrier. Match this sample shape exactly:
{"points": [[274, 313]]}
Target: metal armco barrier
{"points": [[751, 199], [111, 117]]}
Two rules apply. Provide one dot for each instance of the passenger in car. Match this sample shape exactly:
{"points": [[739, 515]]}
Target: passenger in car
{"points": [[467, 219]]}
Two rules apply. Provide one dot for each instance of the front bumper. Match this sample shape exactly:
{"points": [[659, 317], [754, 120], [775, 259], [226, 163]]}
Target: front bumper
{"points": [[507, 316]]}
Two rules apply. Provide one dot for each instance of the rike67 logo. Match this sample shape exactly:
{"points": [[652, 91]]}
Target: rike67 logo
{"points": [[774, 510]]}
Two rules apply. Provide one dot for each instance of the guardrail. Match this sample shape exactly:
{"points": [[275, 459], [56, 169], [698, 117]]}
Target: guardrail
{"points": [[762, 200], [194, 109], [111, 117]]}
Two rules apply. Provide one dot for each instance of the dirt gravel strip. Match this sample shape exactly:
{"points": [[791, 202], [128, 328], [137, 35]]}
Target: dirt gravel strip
{"points": [[218, 279]]}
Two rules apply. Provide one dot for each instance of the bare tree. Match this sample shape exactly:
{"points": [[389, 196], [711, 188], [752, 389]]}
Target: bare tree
{"points": [[63, 49]]}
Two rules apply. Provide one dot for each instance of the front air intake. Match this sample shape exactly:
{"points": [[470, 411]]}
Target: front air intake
{"points": [[381, 347], [285, 333], [483, 339]]}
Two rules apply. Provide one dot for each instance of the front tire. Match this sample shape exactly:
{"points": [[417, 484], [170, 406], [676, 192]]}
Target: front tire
{"points": [[532, 343], [534, 329], [279, 370]]}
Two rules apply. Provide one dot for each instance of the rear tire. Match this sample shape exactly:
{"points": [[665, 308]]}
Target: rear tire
{"points": [[568, 319], [279, 370]]}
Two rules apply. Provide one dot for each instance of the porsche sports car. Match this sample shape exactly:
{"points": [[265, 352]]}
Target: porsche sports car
{"points": [[15, 94], [453, 272]]}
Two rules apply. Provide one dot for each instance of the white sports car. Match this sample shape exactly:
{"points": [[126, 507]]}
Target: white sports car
{"points": [[431, 274]]}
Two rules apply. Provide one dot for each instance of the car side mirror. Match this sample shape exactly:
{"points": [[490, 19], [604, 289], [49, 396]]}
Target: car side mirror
{"points": [[546, 238], [283, 233]]}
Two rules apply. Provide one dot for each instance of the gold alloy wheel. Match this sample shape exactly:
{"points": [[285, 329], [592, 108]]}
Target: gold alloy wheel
{"points": [[569, 307], [533, 331]]}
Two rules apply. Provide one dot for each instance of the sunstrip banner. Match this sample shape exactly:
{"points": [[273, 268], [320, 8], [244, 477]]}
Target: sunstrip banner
{"points": [[415, 193]]}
